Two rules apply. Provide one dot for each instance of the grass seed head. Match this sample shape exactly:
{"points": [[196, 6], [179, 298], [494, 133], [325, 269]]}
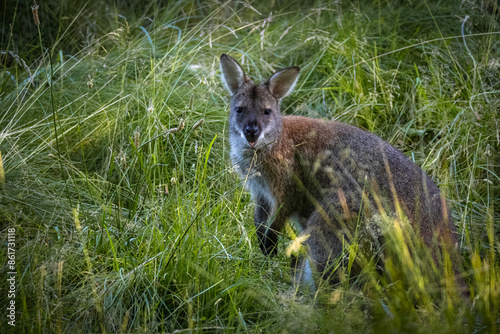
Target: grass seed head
{"points": [[34, 10]]}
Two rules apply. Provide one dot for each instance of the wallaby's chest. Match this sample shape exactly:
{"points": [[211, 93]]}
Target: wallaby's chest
{"points": [[268, 176], [257, 178]]}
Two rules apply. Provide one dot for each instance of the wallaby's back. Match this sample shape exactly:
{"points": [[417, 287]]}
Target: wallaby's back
{"points": [[338, 156]]}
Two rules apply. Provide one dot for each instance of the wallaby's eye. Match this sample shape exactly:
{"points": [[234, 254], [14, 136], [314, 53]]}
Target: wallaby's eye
{"points": [[267, 111], [238, 110]]}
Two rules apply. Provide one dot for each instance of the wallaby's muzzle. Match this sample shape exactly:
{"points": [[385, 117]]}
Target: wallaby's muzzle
{"points": [[252, 133]]}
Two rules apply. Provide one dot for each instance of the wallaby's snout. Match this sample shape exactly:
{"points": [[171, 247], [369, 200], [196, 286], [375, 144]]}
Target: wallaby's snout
{"points": [[252, 133]]}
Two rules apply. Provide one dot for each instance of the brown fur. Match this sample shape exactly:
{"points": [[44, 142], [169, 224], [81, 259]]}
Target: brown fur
{"points": [[329, 174]]}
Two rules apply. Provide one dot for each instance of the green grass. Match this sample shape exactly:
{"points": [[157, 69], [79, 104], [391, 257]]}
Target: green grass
{"points": [[128, 217]]}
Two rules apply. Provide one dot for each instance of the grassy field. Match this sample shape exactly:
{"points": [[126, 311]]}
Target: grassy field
{"points": [[128, 216]]}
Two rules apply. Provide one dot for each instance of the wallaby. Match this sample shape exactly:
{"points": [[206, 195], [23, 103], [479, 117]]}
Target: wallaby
{"points": [[328, 174]]}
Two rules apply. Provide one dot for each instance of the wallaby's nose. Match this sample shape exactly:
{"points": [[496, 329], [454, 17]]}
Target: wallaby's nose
{"points": [[251, 133], [251, 130]]}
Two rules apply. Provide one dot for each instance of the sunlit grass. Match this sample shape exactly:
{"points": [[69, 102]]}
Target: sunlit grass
{"points": [[115, 172]]}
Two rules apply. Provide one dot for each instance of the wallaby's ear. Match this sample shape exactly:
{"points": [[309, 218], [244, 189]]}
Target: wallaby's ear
{"points": [[232, 73], [281, 83]]}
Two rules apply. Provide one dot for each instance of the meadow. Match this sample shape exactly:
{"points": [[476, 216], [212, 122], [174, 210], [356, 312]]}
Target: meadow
{"points": [[128, 215]]}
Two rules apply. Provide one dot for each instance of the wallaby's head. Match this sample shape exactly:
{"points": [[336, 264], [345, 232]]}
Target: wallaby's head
{"points": [[255, 119]]}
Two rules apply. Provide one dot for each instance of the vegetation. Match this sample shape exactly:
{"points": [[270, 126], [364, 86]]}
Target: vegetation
{"points": [[116, 176]]}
